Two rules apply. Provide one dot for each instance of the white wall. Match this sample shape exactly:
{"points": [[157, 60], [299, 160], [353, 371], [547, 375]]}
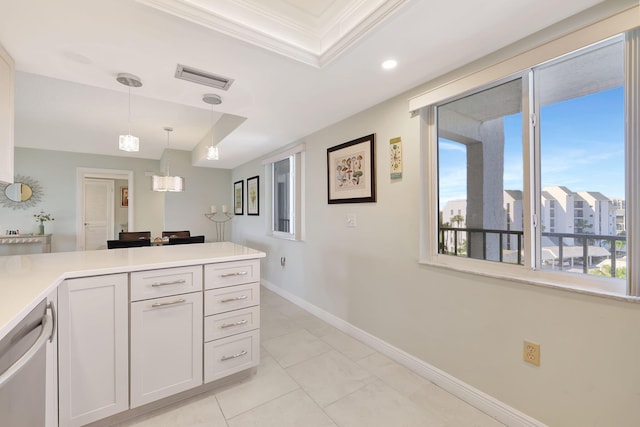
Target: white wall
{"points": [[471, 327], [203, 187]]}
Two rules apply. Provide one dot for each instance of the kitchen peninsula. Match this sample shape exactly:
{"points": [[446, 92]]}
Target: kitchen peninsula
{"points": [[205, 296]]}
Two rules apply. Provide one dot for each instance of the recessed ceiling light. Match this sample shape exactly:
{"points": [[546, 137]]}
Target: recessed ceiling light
{"points": [[389, 64]]}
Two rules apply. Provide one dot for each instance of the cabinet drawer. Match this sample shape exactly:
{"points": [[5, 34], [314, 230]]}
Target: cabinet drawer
{"points": [[165, 282], [231, 298], [231, 273], [230, 355], [231, 323]]}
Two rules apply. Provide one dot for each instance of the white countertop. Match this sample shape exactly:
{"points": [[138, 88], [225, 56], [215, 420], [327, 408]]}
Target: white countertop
{"points": [[26, 280]]}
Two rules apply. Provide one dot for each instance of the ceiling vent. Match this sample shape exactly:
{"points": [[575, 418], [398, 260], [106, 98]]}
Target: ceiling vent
{"points": [[202, 77]]}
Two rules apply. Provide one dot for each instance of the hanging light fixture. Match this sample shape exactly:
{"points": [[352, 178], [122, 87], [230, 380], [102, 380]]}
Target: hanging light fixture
{"points": [[213, 99], [129, 142], [167, 182]]}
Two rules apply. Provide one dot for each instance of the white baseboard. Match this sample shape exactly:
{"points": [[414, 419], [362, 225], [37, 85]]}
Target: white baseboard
{"points": [[480, 400]]}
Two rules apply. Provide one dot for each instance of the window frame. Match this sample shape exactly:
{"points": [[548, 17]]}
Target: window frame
{"points": [[297, 156], [627, 290]]}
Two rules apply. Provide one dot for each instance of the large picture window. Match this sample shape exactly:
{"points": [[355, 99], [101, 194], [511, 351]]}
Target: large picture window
{"points": [[531, 170]]}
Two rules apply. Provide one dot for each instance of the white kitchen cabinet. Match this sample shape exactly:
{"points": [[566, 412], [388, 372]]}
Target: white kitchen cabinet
{"points": [[7, 89], [166, 346], [93, 348], [232, 318]]}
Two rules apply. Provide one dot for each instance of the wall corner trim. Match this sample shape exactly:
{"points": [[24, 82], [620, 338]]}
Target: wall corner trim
{"points": [[480, 400]]}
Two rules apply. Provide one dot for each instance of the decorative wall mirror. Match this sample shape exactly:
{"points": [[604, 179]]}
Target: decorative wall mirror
{"points": [[24, 193]]}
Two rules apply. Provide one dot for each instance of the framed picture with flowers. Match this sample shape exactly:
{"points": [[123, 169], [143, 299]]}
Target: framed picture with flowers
{"points": [[351, 172], [253, 195]]}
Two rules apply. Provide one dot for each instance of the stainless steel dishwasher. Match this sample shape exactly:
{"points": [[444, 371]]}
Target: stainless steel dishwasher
{"points": [[23, 369]]}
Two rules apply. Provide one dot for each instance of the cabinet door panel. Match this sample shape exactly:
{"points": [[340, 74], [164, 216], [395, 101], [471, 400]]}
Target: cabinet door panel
{"points": [[232, 298], [231, 323], [93, 348], [166, 347], [231, 273]]}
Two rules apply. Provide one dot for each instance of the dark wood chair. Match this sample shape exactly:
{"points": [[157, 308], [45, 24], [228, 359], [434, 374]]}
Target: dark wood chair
{"points": [[116, 244], [185, 240], [134, 235], [170, 234]]}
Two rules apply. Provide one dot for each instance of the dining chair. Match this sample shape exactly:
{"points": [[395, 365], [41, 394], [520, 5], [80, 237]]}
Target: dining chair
{"points": [[116, 244], [134, 235], [170, 234], [185, 240]]}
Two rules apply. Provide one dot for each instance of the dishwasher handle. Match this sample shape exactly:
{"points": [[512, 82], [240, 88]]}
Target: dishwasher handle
{"points": [[46, 334]]}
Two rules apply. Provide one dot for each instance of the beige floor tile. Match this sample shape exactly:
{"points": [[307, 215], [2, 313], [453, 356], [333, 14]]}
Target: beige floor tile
{"points": [[393, 374], [270, 382], [199, 411], [328, 377], [378, 405], [274, 324], [314, 325], [295, 409], [454, 410], [350, 347], [295, 347]]}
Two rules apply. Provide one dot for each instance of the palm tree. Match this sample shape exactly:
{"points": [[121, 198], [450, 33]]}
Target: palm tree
{"points": [[457, 219]]}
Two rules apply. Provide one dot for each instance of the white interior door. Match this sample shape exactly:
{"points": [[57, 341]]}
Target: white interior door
{"points": [[98, 213]]}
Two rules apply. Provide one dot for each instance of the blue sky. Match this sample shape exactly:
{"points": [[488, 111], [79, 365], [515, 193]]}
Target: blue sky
{"points": [[582, 148]]}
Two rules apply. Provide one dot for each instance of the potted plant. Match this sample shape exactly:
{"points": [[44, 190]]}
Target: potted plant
{"points": [[42, 218]]}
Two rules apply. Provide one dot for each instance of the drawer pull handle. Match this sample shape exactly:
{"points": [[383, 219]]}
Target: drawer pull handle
{"points": [[239, 273], [225, 358], [174, 282], [229, 325], [240, 298], [162, 304]]}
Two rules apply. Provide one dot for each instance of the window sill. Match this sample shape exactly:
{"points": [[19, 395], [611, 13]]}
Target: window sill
{"points": [[554, 280]]}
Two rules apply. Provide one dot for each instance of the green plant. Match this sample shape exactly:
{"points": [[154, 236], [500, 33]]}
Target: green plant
{"points": [[43, 217]]}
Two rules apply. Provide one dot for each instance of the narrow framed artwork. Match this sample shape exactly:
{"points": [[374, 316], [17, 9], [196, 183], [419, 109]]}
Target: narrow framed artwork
{"points": [[124, 197], [238, 198], [395, 157], [253, 195], [351, 173]]}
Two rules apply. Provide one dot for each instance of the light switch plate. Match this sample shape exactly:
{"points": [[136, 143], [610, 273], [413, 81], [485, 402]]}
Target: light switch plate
{"points": [[350, 220]]}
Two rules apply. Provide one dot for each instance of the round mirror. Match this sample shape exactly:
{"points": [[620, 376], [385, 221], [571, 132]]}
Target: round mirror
{"points": [[18, 192], [24, 193]]}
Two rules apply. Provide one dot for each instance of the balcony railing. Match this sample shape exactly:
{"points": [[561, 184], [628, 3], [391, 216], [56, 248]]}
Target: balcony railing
{"points": [[571, 247]]}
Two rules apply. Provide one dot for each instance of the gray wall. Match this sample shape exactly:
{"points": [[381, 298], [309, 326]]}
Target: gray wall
{"points": [[470, 326], [56, 173]]}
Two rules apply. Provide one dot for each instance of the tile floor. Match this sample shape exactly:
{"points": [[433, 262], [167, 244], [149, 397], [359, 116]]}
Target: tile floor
{"points": [[313, 375]]}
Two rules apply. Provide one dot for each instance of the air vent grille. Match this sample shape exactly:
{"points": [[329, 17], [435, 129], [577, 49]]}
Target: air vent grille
{"points": [[202, 77]]}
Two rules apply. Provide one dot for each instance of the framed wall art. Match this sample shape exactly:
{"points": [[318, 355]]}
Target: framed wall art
{"points": [[124, 197], [351, 173], [238, 197], [253, 195]]}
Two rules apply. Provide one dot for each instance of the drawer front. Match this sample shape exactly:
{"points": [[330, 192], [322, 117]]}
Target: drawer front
{"points": [[232, 298], [165, 282], [231, 273], [231, 323], [229, 355]]}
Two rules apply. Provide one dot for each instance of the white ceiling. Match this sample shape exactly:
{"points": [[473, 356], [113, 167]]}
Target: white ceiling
{"points": [[298, 65]]}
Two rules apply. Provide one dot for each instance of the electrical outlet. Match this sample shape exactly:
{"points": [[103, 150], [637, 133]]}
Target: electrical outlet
{"points": [[531, 353]]}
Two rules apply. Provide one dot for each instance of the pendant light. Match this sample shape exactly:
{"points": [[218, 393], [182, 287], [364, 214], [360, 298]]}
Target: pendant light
{"points": [[129, 142], [167, 182], [213, 99]]}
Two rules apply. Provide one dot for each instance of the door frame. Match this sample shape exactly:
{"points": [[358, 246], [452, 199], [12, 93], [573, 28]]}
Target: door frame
{"points": [[81, 174]]}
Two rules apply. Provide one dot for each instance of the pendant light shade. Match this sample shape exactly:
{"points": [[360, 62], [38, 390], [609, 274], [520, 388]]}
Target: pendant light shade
{"points": [[213, 99], [129, 142], [167, 182]]}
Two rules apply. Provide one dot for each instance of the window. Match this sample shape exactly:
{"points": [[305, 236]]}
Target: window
{"points": [[537, 161], [284, 172]]}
